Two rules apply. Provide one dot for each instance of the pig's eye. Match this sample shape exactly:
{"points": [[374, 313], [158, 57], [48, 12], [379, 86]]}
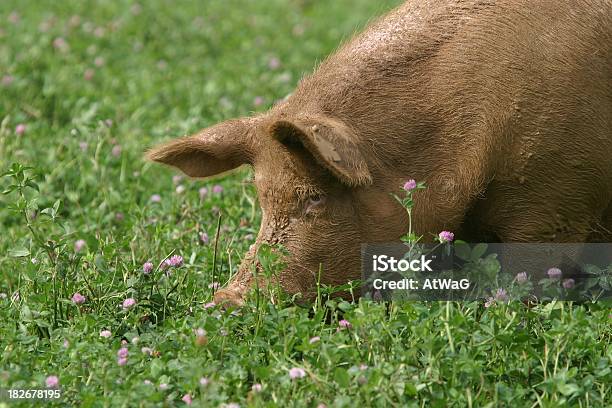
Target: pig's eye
{"points": [[314, 201]]}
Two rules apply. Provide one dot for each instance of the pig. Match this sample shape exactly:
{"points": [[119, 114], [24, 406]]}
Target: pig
{"points": [[503, 108]]}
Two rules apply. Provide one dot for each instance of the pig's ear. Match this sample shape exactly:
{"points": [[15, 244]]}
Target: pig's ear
{"points": [[332, 144], [213, 150]]}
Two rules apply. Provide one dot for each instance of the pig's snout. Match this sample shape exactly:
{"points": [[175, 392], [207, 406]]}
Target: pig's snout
{"points": [[235, 292], [229, 298]]}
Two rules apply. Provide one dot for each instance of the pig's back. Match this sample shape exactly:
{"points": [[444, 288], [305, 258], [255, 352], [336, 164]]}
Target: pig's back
{"points": [[430, 54]]}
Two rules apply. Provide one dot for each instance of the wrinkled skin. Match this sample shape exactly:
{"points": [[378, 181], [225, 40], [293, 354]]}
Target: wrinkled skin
{"points": [[503, 108]]}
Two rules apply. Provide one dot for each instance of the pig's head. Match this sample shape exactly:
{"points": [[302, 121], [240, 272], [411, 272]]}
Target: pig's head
{"points": [[316, 190]]}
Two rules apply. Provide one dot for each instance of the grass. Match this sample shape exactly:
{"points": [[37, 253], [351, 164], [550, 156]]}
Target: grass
{"points": [[95, 84]]}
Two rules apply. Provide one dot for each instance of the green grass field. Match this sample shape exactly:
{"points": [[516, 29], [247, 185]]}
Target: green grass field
{"points": [[86, 87]]}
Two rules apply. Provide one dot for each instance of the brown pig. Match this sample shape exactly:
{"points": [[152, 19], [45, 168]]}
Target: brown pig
{"points": [[503, 108]]}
